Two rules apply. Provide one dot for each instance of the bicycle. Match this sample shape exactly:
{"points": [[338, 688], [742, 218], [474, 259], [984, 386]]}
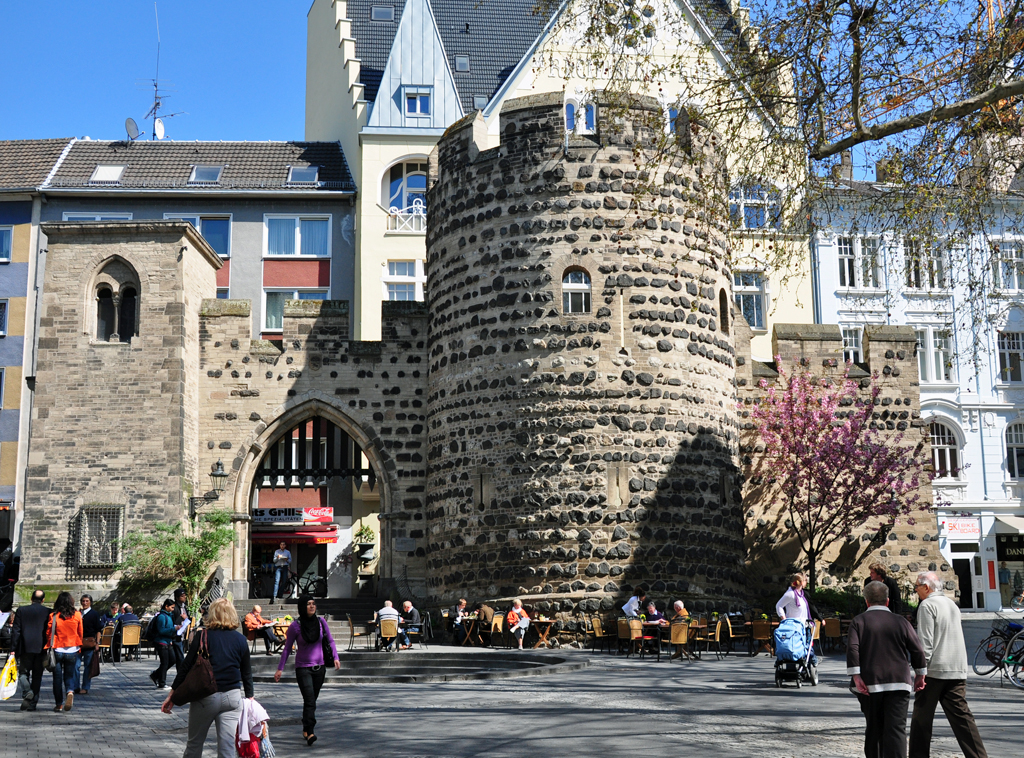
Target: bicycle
{"points": [[307, 584], [1003, 649], [1017, 603]]}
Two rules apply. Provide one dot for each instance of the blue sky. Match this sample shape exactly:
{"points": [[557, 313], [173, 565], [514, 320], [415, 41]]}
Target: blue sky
{"points": [[71, 69]]}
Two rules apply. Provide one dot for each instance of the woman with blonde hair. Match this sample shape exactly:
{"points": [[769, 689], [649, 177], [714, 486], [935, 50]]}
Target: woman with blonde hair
{"points": [[229, 659]]}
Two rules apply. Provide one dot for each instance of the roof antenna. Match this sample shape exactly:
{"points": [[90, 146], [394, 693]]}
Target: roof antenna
{"points": [[158, 96]]}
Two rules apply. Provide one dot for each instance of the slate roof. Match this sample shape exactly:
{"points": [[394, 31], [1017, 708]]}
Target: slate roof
{"points": [[167, 164], [500, 33], [26, 163]]}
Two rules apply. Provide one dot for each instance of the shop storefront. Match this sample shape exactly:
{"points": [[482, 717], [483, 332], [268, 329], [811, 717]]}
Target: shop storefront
{"points": [[986, 553], [1009, 538], [962, 544]]}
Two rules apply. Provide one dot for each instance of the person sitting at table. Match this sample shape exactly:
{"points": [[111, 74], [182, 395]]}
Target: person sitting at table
{"points": [[388, 612], [257, 626], [632, 607], [457, 614], [653, 614], [518, 621], [411, 621], [108, 618], [485, 615], [681, 614]]}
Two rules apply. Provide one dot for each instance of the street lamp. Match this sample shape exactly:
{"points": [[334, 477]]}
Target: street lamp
{"points": [[218, 480]]}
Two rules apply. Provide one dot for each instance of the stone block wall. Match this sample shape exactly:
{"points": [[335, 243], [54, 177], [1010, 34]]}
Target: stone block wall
{"points": [[906, 547], [113, 422], [574, 455]]}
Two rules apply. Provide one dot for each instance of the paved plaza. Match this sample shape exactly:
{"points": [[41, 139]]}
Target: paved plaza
{"points": [[614, 707]]}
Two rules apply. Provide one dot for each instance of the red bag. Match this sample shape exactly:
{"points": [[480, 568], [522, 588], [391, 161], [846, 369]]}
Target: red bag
{"points": [[250, 749]]}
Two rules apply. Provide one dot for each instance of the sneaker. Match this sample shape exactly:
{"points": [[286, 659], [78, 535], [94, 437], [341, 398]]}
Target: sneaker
{"points": [[58, 709], [69, 701]]}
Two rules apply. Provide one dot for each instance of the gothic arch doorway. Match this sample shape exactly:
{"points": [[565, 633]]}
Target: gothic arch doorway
{"points": [[313, 480]]}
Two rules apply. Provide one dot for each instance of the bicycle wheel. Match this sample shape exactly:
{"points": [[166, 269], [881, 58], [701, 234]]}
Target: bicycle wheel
{"points": [[1013, 660], [989, 655], [1018, 602]]}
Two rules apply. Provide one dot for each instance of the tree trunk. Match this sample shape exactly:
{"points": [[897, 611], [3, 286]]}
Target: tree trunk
{"points": [[812, 569]]}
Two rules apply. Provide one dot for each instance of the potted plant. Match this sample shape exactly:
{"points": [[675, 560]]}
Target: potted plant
{"points": [[364, 536]]}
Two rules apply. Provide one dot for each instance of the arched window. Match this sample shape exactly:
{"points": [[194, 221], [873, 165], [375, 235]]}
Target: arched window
{"points": [[127, 321], [1015, 451], [723, 310], [580, 118], [945, 451], [576, 291], [104, 314], [405, 194]]}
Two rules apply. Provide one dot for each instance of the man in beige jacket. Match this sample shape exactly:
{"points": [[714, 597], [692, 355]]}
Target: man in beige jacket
{"points": [[942, 637]]}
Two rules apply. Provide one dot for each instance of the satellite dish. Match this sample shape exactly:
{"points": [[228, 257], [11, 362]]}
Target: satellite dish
{"points": [[132, 128], [158, 128]]}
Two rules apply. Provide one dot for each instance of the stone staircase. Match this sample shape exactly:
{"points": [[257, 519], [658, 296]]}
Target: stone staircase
{"points": [[333, 609]]}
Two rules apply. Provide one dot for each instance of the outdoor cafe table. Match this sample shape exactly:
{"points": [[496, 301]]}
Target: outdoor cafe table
{"points": [[762, 644], [543, 627], [662, 627], [469, 623]]}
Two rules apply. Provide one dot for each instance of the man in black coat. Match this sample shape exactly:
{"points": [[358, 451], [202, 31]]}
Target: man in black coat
{"points": [[878, 573], [27, 640], [92, 626]]}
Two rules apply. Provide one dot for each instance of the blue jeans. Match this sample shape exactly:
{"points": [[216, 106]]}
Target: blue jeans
{"points": [[280, 577], [64, 676], [82, 679]]}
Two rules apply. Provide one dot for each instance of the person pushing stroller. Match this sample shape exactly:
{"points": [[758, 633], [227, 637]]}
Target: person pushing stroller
{"points": [[794, 604]]}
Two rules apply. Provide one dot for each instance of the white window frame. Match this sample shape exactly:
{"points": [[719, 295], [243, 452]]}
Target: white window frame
{"points": [[94, 178], [298, 218], [419, 279], [937, 454], [740, 200], [5, 315], [205, 182], [294, 291], [1007, 251], [1016, 430], [847, 262], [925, 265], [389, 16], [417, 91], [407, 220], [580, 106], [570, 288], [931, 350], [480, 102], [1008, 346], [304, 182], [458, 64], [194, 217], [759, 291], [8, 229], [87, 216], [853, 344]]}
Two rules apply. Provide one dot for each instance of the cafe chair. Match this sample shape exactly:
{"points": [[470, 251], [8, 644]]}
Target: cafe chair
{"points": [[760, 636], [738, 632], [622, 629], [816, 637], [680, 638], [636, 637], [387, 634], [353, 634], [105, 642], [715, 638], [131, 636], [497, 631], [650, 637], [597, 629], [833, 632]]}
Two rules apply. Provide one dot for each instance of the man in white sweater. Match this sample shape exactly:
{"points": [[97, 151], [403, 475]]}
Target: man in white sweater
{"points": [[942, 637]]}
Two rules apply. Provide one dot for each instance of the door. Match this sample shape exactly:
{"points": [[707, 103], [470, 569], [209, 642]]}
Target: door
{"points": [[971, 581], [312, 563]]}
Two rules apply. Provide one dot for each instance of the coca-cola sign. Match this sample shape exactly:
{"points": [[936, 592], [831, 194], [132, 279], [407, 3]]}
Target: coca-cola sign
{"points": [[309, 515]]}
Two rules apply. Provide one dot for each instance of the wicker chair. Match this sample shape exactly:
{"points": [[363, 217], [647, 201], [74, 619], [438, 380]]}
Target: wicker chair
{"points": [[761, 635], [353, 634], [650, 637], [388, 633], [498, 631], [833, 632], [680, 639], [715, 638], [636, 636], [622, 627], [131, 636], [739, 632], [597, 629], [105, 642]]}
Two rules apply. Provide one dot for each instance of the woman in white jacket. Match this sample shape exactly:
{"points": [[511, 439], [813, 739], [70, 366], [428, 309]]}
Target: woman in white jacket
{"points": [[795, 605]]}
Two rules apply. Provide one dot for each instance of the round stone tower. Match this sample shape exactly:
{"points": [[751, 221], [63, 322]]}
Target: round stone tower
{"points": [[581, 406]]}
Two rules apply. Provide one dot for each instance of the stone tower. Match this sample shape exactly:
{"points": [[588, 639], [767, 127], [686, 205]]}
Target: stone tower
{"points": [[582, 431]]}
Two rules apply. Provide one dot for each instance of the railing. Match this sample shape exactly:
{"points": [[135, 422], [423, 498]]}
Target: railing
{"points": [[412, 220]]}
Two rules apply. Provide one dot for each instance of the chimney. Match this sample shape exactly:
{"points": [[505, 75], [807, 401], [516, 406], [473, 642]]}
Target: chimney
{"points": [[883, 173]]}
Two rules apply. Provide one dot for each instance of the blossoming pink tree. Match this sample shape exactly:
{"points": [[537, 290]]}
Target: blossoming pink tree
{"points": [[825, 467]]}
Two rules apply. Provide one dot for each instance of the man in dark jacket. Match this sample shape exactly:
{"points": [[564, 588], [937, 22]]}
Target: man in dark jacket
{"points": [[878, 573], [92, 627], [27, 640], [878, 647], [163, 638], [411, 621]]}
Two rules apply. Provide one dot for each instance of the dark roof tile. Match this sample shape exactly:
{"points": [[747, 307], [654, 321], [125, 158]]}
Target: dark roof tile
{"points": [[26, 163]]}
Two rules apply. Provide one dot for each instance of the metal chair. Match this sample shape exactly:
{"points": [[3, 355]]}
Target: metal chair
{"points": [[715, 638], [415, 633], [636, 637], [498, 631], [597, 628], [649, 636], [739, 632], [131, 635], [353, 634], [105, 643], [387, 633]]}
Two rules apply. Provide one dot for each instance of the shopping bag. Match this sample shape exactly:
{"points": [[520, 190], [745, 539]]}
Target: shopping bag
{"points": [[94, 666], [9, 679]]}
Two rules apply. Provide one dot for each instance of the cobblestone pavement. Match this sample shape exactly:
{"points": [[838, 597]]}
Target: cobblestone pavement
{"points": [[614, 707]]}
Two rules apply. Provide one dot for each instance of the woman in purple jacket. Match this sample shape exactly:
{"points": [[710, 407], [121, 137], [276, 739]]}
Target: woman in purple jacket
{"points": [[313, 637]]}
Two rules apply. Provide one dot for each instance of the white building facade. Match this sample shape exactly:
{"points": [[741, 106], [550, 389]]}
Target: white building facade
{"points": [[971, 366]]}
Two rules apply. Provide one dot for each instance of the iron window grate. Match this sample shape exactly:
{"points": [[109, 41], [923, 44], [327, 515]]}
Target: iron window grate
{"points": [[97, 536]]}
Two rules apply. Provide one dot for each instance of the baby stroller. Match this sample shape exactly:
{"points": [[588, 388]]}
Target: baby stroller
{"points": [[793, 653]]}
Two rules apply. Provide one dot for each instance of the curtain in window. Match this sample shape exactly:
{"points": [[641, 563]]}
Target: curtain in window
{"points": [[5, 244], [275, 309], [281, 236], [314, 237]]}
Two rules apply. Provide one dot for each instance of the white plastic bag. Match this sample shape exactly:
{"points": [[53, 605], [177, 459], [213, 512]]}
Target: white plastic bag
{"points": [[9, 679]]}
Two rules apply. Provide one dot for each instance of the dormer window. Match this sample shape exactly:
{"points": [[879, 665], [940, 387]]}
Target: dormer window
{"points": [[462, 63], [479, 102], [107, 174], [417, 101], [303, 174], [205, 174], [382, 13]]}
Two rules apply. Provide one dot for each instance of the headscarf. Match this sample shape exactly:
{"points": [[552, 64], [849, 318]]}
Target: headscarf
{"points": [[309, 624]]}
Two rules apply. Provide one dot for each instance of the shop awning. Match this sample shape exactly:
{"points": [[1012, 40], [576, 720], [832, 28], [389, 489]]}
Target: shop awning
{"points": [[1009, 525], [306, 536]]}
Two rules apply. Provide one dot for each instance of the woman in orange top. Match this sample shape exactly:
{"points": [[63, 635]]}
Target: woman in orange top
{"points": [[65, 626]]}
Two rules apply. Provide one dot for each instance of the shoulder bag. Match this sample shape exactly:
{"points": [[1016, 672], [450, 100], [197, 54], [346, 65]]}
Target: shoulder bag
{"points": [[199, 682], [325, 644], [50, 663]]}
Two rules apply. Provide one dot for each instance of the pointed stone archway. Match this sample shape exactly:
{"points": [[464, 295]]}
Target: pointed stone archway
{"points": [[256, 447]]}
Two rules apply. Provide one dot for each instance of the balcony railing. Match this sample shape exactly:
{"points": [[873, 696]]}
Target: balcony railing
{"points": [[411, 220]]}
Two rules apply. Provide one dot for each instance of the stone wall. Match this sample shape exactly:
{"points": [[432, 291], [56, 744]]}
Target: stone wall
{"points": [[113, 422], [573, 456], [907, 547]]}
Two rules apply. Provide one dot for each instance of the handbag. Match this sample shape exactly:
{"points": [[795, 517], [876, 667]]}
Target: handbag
{"points": [[325, 644], [199, 682], [94, 667], [89, 643], [50, 664]]}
